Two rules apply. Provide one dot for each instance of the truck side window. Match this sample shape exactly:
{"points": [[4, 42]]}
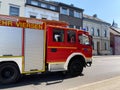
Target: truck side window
{"points": [[84, 39], [58, 35], [71, 36]]}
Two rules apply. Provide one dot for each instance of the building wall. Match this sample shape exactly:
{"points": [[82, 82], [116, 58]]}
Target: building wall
{"points": [[101, 42], [117, 45], [5, 6], [41, 13], [71, 20], [74, 18], [115, 40]]}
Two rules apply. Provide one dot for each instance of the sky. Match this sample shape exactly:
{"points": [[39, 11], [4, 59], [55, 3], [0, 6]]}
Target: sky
{"points": [[107, 10]]}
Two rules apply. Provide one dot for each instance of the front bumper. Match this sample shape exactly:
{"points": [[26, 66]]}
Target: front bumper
{"points": [[89, 62]]}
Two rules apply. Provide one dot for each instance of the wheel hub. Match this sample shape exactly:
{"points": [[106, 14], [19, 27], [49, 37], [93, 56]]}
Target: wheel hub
{"points": [[7, 73]]}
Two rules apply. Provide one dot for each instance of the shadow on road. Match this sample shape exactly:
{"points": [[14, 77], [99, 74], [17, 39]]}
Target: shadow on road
{"points": [[48, 79]]}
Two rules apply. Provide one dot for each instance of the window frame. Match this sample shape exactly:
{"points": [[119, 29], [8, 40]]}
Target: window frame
{"points": [[71, 26], [12, 11], [52, 7], [34, 2], [33, 16], [105, 45], [86, 28], [71, 36], [64, 11], [98, 32], [0, 4], [43, 5], [71, 12], [58, 35], [93, 45], [105, 33], [77, 14], [92, 31], [77, 27]]}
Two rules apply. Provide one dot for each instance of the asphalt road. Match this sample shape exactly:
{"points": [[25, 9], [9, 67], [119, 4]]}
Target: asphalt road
{"points": [[103, 67]]}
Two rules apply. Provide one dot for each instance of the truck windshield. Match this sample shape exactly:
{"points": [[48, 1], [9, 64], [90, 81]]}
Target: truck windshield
{"points": [[84, 39]]}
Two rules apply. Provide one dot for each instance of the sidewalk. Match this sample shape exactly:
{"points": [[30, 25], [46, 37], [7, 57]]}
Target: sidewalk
{"points": [[109, 84]]}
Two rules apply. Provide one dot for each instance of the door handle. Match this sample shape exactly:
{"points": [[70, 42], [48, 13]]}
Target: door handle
{"points": [[53, 50]]}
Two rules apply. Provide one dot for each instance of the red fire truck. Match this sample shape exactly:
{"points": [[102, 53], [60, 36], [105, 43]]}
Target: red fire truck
{"points": [[30, 46]]}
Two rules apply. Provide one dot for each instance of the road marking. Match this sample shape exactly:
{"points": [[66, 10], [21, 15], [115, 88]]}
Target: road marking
{"points": [[94, 83]]}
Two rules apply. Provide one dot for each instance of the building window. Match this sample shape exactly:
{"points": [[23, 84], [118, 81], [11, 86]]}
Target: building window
{"points": [[14, 11], [43, 5], [92, 31], [64, 11], [71, 36], [71, 26], [32, 16], [86, 28], [93, 45], [34, 2], [0, 4], [52, 7], [98, 32], [105, 46], [78, 14], [78, 27], [105, 33], [71, 12], [44, 18]]}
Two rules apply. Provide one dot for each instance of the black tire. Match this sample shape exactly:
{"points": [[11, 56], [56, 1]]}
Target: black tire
{"points": [[75, 68], [9, 73]]}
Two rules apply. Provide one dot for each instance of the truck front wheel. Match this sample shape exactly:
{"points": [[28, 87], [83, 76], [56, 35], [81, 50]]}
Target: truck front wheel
{"points": [[9, 73], [75, 68]]}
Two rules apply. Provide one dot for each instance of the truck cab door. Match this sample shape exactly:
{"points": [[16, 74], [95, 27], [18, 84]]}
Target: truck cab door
{"points": [[55, 44]]}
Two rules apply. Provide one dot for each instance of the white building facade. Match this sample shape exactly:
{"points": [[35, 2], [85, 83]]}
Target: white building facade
{"points": [[12, 7], [100, 32], [41, 10]]}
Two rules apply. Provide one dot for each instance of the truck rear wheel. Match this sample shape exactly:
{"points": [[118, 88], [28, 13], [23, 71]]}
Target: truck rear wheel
{"points": [[75, 68], [9, 73]]}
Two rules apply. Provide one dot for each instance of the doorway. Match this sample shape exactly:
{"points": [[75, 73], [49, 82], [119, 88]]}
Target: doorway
{"points": [[98, 48]]}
